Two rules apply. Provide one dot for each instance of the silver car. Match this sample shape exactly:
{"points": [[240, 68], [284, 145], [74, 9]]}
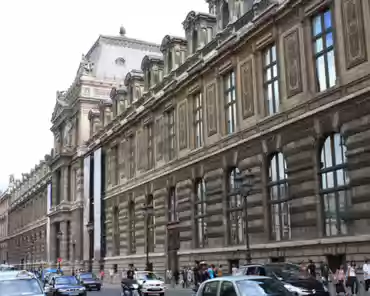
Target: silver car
{"points": [[20, 283], [242, 286]]}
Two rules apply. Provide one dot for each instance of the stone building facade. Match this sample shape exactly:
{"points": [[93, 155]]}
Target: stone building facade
{"points": [[27, 219], [150, 141], [4, 200], [276, 92]]}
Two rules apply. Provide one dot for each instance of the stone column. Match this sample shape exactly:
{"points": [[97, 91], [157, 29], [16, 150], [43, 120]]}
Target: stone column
{"points": [[64, 184], [77, 234], [54, 189], [63, 240], [52, 243]]}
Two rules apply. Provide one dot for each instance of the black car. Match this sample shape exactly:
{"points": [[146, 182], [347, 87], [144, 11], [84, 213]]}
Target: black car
{"points": [[89, 281], [64, 286], [294, 280]]}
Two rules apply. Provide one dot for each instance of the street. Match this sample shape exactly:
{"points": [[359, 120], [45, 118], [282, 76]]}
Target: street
{"points": [[115, 290]]}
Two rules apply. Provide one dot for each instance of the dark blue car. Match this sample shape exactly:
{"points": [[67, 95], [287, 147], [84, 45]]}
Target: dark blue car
{"points": [[64, 286]]}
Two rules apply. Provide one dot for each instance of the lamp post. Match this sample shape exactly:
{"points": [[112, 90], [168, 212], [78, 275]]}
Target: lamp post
{"points": [[244, 187], [59, 237], [147, 212]]}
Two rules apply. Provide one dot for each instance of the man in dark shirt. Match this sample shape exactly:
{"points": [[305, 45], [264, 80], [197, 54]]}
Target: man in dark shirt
{"points": [[311, 268], [130, 274]]}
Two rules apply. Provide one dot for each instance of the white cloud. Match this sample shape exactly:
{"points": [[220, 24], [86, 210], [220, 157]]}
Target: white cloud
{"points": [[41, 46]]}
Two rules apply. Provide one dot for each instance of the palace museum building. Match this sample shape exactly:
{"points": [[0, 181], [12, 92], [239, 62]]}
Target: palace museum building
{"points": [[248, 136]]}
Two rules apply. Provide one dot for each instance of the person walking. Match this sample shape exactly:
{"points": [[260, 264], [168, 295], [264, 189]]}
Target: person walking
{"points": [[340, 277], [111, 274], [366, 271], [311, 268], [352, 281]]}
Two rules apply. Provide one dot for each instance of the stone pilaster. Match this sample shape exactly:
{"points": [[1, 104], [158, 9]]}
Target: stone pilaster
{"points": [[64, 241], [123, 226], [77, 241], [184, 209], [52, 243], [216, 201], [160, 214], [140, 224], [64, 184], [54, 189]]}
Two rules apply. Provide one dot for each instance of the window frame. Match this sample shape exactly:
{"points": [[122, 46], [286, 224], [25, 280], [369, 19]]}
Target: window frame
{"points": [[235, 207], [269, 66], [280, 201], [230, 106], [336, 189], [171, 132], [325, 50], [200, 209], [132, 161], [150, 145], [227, 282], [198, 115], [116, 232], [151, 224], [172, 205], [131, 226]]}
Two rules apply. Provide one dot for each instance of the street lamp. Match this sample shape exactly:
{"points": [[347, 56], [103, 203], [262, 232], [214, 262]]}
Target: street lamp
{"points": [[59, 237], [147, 212], [244, 185]]}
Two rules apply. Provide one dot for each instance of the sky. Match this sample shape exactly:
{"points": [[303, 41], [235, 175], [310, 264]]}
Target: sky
{"points": [[40, 50]]}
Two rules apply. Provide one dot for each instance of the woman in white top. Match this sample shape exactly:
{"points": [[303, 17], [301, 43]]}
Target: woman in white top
{"points": [[352, 278]]}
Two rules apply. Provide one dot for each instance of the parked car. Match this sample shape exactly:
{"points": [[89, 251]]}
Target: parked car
{"points": [[15, 283], [89, 280], [64, 286], [294, 279], [242, 286], [150, 283]]}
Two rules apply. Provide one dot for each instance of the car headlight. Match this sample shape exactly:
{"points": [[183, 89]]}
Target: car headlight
{"points": [[296, 290], [62, 290], [82, 289], [135, 286]]}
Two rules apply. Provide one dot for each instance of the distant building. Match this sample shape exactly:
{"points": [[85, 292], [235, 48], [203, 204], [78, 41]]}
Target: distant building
{"points": [[151, 141]]}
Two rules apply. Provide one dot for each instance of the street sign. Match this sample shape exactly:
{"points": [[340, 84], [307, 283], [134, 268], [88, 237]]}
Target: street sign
{"points": [[59, 260]]}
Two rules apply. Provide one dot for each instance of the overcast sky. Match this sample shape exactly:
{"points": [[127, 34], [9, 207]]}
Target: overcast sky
{"points": [[40, 50]]}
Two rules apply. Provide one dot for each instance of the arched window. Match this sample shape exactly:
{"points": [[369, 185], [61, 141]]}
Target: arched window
{"points": [[235, 208], [201, 212], [334, 185], [278, 191]]}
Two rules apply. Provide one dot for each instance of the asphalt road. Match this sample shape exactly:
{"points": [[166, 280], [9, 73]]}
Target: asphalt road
{"points": [[115, 290]]}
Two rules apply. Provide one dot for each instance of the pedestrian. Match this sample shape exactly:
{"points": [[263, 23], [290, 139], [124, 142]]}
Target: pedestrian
{"points": [[352, 281], [234, 270], [311, 268], [366, 270], [219, 271], [168, 276], [102, 275], [325, 271], [340, 277], [111, 274]]}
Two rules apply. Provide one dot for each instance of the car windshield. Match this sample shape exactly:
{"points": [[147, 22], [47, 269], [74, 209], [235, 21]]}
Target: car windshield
{"points": [[87, 276], [66, 280], [146, 276], [285, 271], [262, 287], [20, 287]]}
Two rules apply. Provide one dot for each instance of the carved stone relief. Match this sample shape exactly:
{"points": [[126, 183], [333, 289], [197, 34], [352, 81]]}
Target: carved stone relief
{"points": [[246, 72], [292, 64], [183, 126], [211, 109], [353, 27]]}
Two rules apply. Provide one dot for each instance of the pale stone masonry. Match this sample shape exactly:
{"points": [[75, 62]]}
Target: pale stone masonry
{"points": [[275, 90]]}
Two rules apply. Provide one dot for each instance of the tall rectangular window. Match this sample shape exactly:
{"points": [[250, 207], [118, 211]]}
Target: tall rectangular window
{"points": [[172, 205], [230, 102], [323, 43], [271, 80], [198, 120], [171, 134], [132, 222], [201, 213], [132, 156], [149, 133], [115, 164], [116, 232]]}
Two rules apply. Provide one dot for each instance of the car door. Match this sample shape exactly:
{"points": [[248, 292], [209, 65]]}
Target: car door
{"points": [[228, 289], [210, 288]]}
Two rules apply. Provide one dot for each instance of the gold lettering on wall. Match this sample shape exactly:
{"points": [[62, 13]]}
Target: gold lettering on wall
{"points": [[211, 109], [246, 72], [353, 27], [292, 63]]}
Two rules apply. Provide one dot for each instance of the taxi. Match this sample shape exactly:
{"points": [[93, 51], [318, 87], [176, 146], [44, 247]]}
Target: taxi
{"points": [[18, 283]]}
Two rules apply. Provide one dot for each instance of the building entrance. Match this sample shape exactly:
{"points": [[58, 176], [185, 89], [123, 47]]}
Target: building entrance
{"points": [[172, 249], [335, 261]]}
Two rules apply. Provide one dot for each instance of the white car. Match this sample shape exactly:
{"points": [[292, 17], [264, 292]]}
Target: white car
{"points": [[150, 283]]}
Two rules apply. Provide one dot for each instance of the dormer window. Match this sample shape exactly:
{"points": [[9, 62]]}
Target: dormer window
{"points": [[173, 50], [152, 67], [169, 62]]}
